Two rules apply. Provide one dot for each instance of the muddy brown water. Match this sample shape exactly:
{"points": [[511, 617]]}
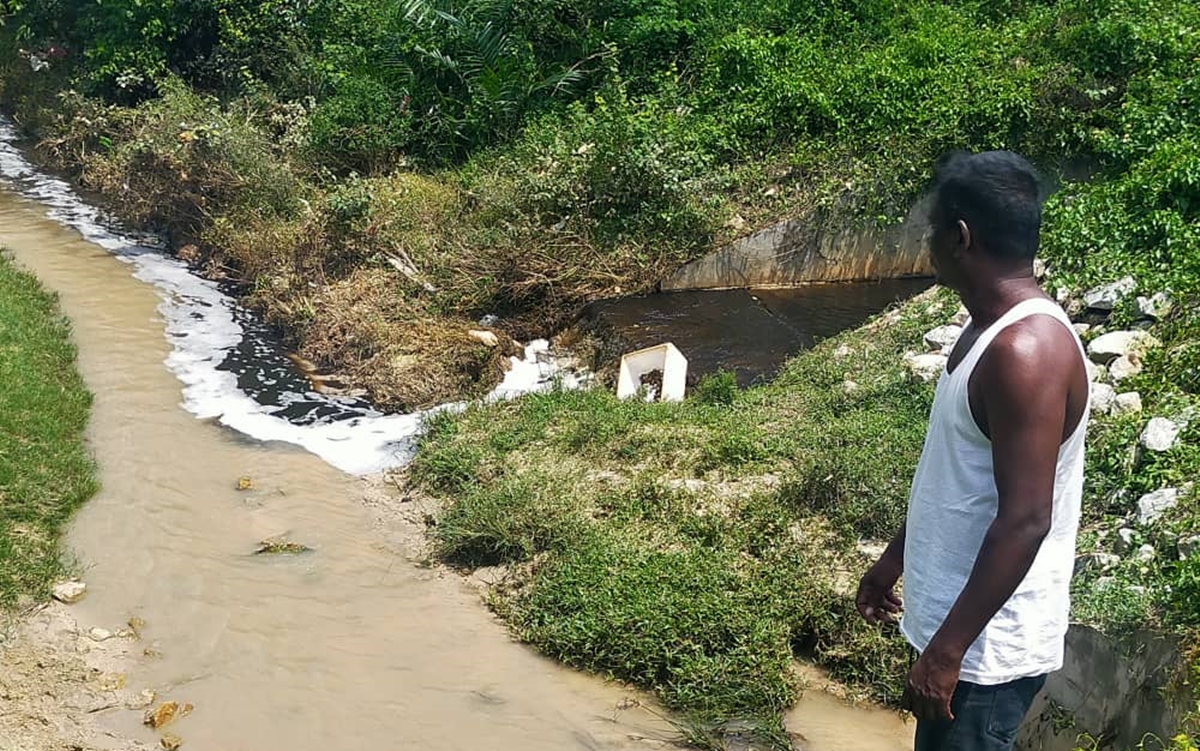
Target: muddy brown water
{"points": [[355, 645]]}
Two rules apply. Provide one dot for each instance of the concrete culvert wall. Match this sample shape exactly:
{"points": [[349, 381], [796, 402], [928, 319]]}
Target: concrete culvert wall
{"points": [[800, 250], [1110, 693]]}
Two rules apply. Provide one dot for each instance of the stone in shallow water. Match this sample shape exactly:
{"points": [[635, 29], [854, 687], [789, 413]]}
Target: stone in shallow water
{"points": [[69, 592], [165, 713]]}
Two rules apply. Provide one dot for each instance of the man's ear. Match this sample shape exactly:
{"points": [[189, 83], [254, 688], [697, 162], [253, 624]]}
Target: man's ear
{"points": [[964, 235]]}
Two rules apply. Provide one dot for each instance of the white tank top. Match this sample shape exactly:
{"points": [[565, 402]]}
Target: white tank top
{"points": [[952, 504]]}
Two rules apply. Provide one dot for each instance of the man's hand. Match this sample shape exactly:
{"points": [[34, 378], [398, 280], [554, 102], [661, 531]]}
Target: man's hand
{"points": [[876, 600], [931, 684]]}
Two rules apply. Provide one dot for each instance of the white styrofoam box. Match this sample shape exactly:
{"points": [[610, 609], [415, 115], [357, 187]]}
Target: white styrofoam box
{"points": [[664, 357]]}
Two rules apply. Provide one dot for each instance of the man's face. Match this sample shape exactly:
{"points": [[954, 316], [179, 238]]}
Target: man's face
{"points": [[944, 242]]}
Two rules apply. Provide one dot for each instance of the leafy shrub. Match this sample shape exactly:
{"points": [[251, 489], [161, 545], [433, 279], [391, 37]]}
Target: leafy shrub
{"points": [[362, 126], [720, 389], [125, 47]]}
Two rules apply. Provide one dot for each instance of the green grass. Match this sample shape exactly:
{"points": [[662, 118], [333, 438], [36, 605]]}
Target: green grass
{"points": [[697, 548], [46, 472]]}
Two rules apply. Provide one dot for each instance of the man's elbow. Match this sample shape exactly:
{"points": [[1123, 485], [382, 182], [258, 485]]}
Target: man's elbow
{"points": [[1036, 528], [1031, 524]]}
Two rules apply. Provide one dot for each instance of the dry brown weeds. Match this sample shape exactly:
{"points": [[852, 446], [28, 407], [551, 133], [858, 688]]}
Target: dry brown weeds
{"points": [[379, 279]]}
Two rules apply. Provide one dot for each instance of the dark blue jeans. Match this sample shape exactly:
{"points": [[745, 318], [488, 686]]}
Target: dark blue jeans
{"points": [[986, 718]]}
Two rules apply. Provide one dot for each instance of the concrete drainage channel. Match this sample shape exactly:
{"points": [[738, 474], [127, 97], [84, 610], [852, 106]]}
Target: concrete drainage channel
{"points": [[750, 332]]}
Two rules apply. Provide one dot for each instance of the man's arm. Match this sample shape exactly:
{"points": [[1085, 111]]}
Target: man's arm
{"points": [[876, 600], [1023, 387]]}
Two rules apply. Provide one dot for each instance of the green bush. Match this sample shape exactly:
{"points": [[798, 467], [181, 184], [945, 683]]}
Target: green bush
{"points": [[719, 389], [125, 47]]}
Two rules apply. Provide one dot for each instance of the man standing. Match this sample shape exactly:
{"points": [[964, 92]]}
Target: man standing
{"points": [[988, 547]]}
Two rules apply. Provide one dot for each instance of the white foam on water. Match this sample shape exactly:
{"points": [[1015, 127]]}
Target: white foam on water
{"points": [[202, 328]]}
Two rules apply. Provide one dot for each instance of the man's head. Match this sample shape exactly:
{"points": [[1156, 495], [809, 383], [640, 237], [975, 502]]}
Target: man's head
{"points": [[986, 216]]}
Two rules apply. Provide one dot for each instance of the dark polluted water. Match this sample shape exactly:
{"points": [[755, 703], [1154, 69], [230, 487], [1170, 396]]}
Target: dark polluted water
{"points": [[233, 369], [749, 332]]}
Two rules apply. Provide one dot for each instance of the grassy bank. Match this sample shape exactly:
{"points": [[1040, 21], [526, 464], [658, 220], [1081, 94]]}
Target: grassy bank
{"points": [[378, 175], [46, 472], [697, 549]]}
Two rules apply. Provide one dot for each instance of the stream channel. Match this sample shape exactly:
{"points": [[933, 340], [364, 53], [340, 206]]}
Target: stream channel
{"points": [[357, 645]]}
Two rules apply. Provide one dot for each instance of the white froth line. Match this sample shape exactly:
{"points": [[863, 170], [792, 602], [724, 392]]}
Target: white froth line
{"points": [[359, 445]]}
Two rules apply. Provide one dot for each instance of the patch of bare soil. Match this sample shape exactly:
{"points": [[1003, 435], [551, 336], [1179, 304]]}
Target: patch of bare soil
{"points": [[57, 679]]}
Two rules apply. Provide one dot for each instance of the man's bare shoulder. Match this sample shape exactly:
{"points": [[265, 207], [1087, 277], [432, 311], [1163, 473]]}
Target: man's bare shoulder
{"points": [[1039, 345], [1028, 373]]}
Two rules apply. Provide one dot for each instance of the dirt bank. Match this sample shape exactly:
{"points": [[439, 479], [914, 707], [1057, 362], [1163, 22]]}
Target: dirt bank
{"points": [[57, 680]]}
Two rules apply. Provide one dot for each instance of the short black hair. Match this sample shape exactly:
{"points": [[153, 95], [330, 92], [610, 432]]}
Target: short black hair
{"points": [[998, 194]]}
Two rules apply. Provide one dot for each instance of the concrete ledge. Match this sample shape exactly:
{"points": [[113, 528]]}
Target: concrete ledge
{"points": [[795, 252], [1115, 693]]}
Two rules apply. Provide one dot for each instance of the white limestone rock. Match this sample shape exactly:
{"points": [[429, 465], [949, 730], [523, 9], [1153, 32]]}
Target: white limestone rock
{"points": [[1108, 296], [1103, 397], [1108, 347], [1096, 373], [1145, 553], [927, 368], [1160, 434], [1039, 269], [1124, 542], [1093, 561], [1125, 366], [960, 316], [1152, 506], [1189, 546], [1082, 328], [943, 338], [1157, 306], [1127, 403]]}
